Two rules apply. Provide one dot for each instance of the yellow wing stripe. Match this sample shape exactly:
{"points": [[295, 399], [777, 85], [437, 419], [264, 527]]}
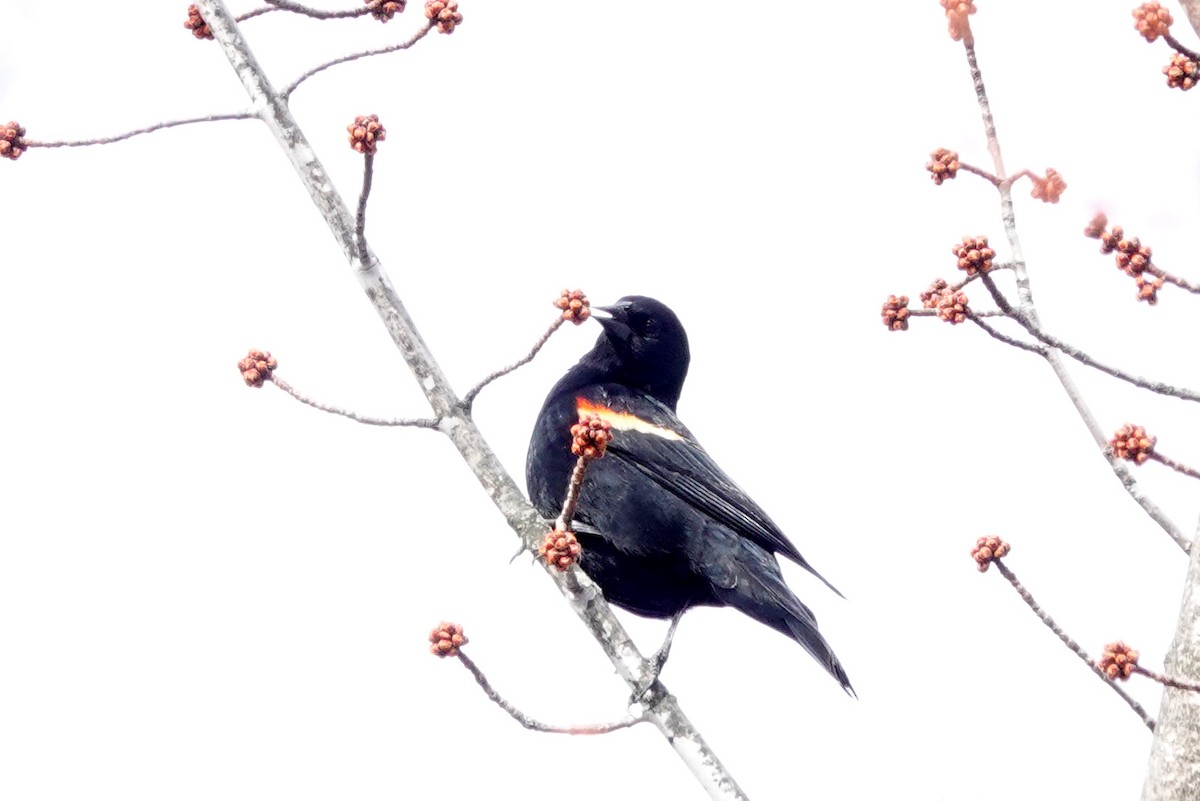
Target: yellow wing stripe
{"points": [[624, 421]]}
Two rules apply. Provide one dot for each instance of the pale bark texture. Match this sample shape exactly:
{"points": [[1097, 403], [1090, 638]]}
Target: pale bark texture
{"points": [[1192, 9], [1174, 771]]}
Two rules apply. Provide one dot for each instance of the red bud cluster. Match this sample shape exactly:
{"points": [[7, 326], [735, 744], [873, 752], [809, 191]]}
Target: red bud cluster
{"points": [[446, 639], [257, 367], [1118, 661], [575, 306], [986, 550], [366, 133], [590, 436], [560, 548]]}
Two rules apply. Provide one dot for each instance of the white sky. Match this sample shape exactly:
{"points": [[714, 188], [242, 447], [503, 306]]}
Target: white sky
{"points": [[209, 592]]}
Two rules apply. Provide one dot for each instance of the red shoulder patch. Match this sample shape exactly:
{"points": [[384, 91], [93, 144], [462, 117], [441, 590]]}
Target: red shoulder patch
{"points": [[624, 421]]}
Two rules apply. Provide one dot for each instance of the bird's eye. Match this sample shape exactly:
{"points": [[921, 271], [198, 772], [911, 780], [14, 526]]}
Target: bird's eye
{"points": [[645, 325]]}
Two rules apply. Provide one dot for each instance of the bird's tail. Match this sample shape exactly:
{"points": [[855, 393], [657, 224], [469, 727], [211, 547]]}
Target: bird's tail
{"points": [[761, 593]]}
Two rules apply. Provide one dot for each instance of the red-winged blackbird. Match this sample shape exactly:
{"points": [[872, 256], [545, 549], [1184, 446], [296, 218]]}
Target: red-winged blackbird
{"points": [[661, 526]]}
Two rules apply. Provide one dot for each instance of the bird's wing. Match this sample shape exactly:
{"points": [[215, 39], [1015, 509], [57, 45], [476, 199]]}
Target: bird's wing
{"points": [[649, 437]]}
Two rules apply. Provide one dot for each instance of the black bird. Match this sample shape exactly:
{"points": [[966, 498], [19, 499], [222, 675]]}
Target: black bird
{"points": [[662, 528]]}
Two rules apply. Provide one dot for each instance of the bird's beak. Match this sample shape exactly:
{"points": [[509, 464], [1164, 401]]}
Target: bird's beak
{"points": [[610, 312], [612, 321]]}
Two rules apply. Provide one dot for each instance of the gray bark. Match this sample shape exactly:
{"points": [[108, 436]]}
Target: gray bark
{"points": [[1174, 772], [1192, 9]]}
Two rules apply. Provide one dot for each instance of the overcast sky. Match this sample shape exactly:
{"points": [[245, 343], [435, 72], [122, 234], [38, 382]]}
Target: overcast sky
{"points": [[208, 591]]}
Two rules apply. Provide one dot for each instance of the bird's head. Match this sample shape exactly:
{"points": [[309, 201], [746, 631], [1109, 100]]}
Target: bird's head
{"points": [[649, 343]]}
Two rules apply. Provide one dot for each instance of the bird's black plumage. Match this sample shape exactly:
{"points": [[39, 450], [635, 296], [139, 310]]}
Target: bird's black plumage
{"points": [[662, 528]]}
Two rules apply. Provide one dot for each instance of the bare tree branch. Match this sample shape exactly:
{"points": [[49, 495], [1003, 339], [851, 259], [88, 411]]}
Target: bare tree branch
{"points": [[662, 709], [1174, 465], [1028, 315], [258, 12], [400, 422], [360, 223], [316, 13], [1005, 338], [1174, 768], [533, 724], [1066, 639], [1029, 323], [1007, 213], [1170, 278], [1168, 681], [1118, 466], [563, 523], [1192, 9], [934, 312], [982, 173], [1180, 47], [158, 126], [416, 37], [473, 393]]}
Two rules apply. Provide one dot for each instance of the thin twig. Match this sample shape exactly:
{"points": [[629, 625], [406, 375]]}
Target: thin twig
{"points": [[469, 398], [934, 312], [1181, 48], [316, 13], [158, 126], [1005, 265], [411, 422], [536, 725], [1012, 179], [1070, 643], [1183, 393], [1182, 283], [573, 491], [258, 12], [1029, 315], [1005, 338], [360, 228], [1128, 482], [1174, 465], [1167, 681], [286, 92], [987, 176], [1007, 212]]}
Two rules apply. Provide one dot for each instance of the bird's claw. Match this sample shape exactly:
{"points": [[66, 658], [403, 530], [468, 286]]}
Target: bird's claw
{"points": [[656, 663]]}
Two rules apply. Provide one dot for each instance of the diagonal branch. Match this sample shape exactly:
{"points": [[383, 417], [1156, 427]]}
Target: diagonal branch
{"points": [[1068, 641], [662, 709], [1128, 482], [1029, 324], [416, 37], [1180, 47], [1171, 278], [1178, 467], [473, 393], [1005, 338]]}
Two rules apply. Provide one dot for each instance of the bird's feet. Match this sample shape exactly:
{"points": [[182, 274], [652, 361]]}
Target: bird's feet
{"points": [[656, 663]]}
